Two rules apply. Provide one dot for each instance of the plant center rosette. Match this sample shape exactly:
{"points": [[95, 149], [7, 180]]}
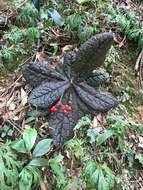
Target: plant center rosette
{"points": [[67, 91]]}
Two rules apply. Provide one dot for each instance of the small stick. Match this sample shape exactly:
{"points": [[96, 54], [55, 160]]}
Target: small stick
{"points": [[140, 57], [138, 67], [25, 61], [14, 126]]}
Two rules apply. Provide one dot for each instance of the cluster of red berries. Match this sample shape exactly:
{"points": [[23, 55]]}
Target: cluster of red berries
{"points": [[64, 108]]}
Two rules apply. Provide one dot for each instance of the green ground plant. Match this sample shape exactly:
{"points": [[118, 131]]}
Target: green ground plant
{"points": [[10, 167], [21, 38], [128, 22]]}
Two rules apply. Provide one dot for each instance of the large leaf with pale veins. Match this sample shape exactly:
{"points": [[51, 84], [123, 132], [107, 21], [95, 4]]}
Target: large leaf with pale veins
{"points": [[47, 93], [92, 53], [96, 100], [61, 126], [36, 73]]}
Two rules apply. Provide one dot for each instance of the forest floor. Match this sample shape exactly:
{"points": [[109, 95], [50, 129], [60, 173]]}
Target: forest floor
{"points": [[82, 164]]}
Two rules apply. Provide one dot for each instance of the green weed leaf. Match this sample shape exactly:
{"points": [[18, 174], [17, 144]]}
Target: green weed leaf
{"points": [[81, 1], [39, 162], [42, 147], [104, 136], [102, 183], [85, 121], [19, 146], [85, 32], [29, 137], [73, 22], [9, 168], [29, 178], [92, 134], [94, 177], [56, 168], [139, 157]]}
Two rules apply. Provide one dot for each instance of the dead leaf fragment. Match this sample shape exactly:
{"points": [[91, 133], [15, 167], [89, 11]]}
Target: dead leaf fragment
{"points": [[95, 122], [24, 97], [67, 48], [12, 106], [140, 144]]}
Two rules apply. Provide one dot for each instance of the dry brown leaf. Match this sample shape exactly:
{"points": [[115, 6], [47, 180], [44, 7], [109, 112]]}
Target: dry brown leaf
{"points": [[40, 57], [138, 140], [15, 118], [27, 126], [140, 111], [7, 115], [24, 97], [99, 118], [95, 122], [2, 102], [11, 99], [140, 144], [67, 48], [12, 106], [42, 185]]}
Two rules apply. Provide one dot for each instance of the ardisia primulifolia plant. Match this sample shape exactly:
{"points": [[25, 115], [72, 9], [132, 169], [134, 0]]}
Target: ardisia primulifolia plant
{"points": [[67, 90]]}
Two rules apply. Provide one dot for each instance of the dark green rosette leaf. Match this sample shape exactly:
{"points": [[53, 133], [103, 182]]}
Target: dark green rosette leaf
{"points": [[84, 108], [62, 125], [68, 66], [36, 73], [47, 93], [92, 53], [98, 101]]}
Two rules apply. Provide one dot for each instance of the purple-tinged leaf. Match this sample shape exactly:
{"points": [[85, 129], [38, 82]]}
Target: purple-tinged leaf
{"points": [[92, 53], [36, 73], [96, 100], [61, 126], [47, 93]]}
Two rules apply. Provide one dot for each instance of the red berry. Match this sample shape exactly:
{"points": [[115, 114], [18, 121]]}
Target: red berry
{"points": [[66, 108], [69, 108], [63, 108], [54, 109], [65, 112]]}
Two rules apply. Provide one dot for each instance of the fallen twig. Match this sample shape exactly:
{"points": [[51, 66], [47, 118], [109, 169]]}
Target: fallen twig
{"points": [[11, 87], [138, 61], [138, 67], [15, 126]]}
